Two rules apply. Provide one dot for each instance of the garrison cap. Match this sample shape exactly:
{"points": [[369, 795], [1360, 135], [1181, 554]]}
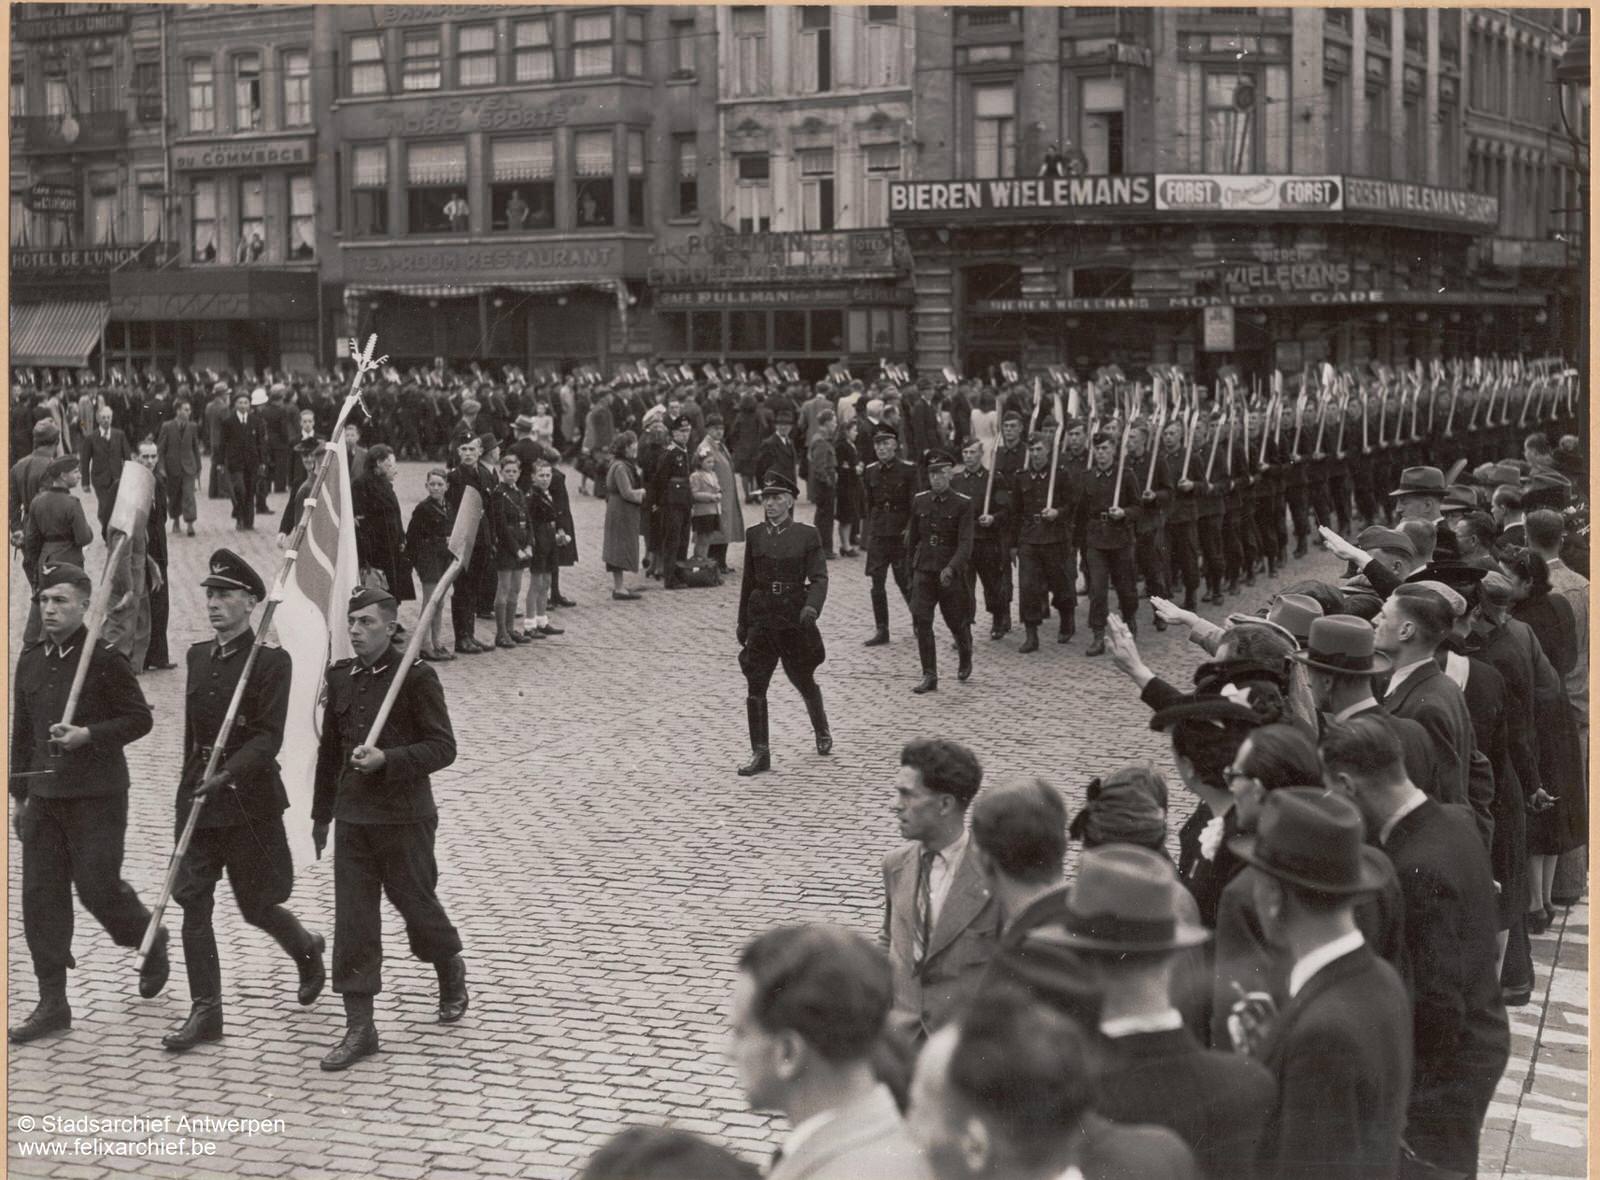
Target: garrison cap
{"points": [[59, 466], [366, 596], [62, 575]]}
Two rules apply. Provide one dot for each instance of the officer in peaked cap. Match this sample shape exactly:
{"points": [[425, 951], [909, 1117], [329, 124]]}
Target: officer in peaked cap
{"points": [[940, 540], [781, 594], [890, 484], [240, 825]]}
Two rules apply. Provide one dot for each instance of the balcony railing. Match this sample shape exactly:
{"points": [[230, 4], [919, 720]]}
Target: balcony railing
{"points": [[70, 133]]}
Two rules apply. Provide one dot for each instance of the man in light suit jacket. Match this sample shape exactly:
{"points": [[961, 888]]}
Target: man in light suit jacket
{"points": [[1007, 1092], [178, 460], [1459, 1022], [807, 1011], [941, 924], [104, 452], [1413, 622]]}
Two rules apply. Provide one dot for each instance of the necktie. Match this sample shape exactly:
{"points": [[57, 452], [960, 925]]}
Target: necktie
{"points": [[924, 907]]}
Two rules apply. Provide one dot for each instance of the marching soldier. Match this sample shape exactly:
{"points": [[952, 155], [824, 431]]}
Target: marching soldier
{"points": [[70, 783], [1110, 510], [1045, 525], [1183, 514], [383, 799], [1209, 510], [781, 594], [941, 547], [1011, 456], [890, 485], [240, 829], [991, 554], [1150, 536]]}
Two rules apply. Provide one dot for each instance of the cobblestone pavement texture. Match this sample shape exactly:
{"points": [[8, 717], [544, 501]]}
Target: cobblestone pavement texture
{"points": [[605, 865]]}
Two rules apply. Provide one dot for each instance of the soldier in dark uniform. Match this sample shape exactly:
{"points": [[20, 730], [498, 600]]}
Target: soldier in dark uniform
{"points": [[1265, 495], [781, 594], [1110, 517], [1238, 521], [1183, 513], [240, 828], [668, 491], [991, 554], [1011, 456], [70, 784], [1150, 535], [890, 485], [1044, 532], [383, 799], [941, 548], [1363, 461], [1209, 506]]}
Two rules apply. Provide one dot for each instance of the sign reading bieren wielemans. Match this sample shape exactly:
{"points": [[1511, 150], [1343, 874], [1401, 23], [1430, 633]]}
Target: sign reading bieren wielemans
{"points": [[1042, 194]]}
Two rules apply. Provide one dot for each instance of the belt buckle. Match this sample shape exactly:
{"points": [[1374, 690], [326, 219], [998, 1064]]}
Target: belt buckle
{"points": [[777, 587]]}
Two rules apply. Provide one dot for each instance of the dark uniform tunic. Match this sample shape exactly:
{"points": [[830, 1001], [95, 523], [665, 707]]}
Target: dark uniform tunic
{"points": [[940, 540], [387, 820], [1150, 532], [240, 828], [1183, 515], [1110, 543], [991, 548], [784, 572], [77, 814], [890, 488], [1044, 547]]}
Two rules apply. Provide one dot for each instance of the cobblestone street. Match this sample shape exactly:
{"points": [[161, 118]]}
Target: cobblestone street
{"points": [[604, 865]]}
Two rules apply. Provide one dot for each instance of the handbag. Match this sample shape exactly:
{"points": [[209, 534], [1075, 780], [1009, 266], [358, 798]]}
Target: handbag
{"points": [[699, 572]]}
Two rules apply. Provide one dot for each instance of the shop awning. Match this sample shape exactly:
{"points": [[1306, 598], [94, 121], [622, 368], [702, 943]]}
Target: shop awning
{"points": [[56, 333], [611, 286]]}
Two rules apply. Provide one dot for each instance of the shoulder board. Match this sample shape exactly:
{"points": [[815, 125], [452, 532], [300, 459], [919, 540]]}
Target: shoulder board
{"points": [[196, 646], [344, 663], [961, 495]]}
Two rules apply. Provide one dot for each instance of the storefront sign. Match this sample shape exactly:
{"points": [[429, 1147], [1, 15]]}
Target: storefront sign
{"points": [[52, 196], [1032, 305], [1446, 205], [775, 257], [1248, 194], [1216, 325], [260, 153], [909, 198], [65, 260], [406, 14], [1284, 276], [710, 298], [61, 28], [487, 112], [1513, 253], [423, 264]]}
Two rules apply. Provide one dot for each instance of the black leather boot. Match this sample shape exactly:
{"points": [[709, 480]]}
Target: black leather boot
{"points": [[1098, 647], [52, 1014], [1030, 641], [452, 989], [878, 639], [312, 973], [360, 1034], [1161, 624], [964, 653], [1188, 600], [755, 709], [203, 1025], [1002, 626], [156, 967], [1069, 625], [929, 652], [819, 720]]}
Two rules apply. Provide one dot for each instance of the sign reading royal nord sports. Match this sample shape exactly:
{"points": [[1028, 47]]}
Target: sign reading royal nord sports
{"points": [[1249, 194], [936, 199]]}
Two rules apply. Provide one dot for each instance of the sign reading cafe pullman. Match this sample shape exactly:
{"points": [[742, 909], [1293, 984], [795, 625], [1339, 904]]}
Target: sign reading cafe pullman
{"points": [[909, 198]]}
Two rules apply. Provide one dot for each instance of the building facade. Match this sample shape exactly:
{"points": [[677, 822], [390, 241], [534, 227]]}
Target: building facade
{"points": [[498, 176], [89, 179], [1261, 187], [794, 260]]}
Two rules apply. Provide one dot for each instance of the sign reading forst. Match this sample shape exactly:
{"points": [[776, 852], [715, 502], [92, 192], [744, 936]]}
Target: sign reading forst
{"points": [[1248, 194]]}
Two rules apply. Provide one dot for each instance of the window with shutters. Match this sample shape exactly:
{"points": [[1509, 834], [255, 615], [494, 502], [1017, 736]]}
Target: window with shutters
{"points": [[1245, 122], [636, 185], [522, 183], [420, 65], [633, 45], [366, 65], [203, 221], [252, 243], [882, 165], [1100, 119], [247, 92], [752, 192], [881, 37], [103, 93], [687, 154], [296, 88], [749, 50], [594, 166], [146, 91], [369, 190], [681, 37], [202, 96], [816, 189], [592, 49], [436, 187], [475, 56], [302, 218], [533, 50], [994, 130], [58, 102], [816, 49]]}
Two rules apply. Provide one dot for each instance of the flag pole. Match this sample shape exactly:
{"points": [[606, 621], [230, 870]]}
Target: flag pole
{"points": [[364, 365]]}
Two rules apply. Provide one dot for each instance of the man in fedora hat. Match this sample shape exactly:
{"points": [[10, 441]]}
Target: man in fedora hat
{"points": [[1341, 660], [1461, 1040], [1122, 919], [1340, 1050]]}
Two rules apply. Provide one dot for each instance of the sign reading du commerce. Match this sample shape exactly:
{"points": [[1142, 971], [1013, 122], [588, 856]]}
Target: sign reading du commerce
{"points": [[913, 197]]}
